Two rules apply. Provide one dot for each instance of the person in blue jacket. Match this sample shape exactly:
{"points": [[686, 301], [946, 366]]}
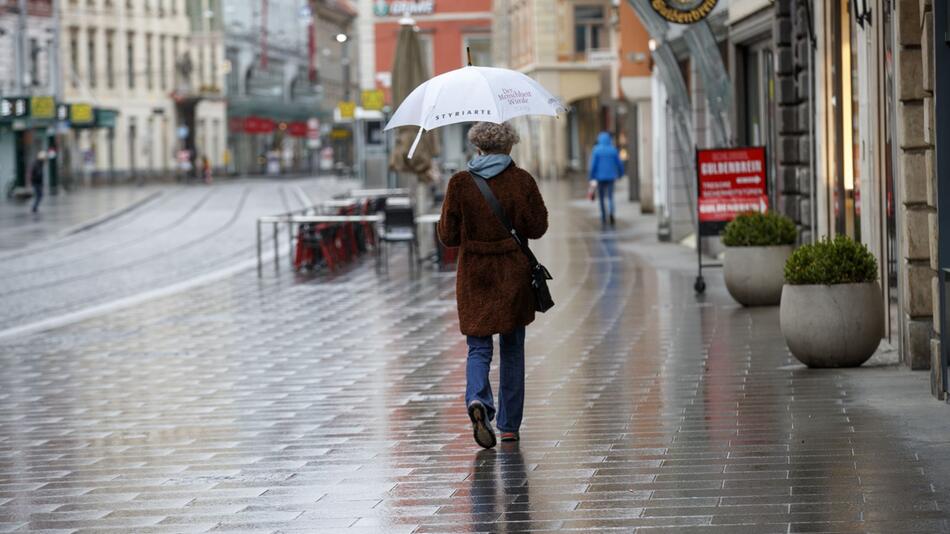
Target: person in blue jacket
{"points": [[605, 168]]}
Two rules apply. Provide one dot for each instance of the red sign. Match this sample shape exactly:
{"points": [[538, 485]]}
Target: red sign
{"points": [[258, 125], [297, 129], [731, 181]]}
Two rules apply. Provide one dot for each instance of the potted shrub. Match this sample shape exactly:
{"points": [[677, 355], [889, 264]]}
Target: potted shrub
{"points": [[758, 245], [832, 314]]}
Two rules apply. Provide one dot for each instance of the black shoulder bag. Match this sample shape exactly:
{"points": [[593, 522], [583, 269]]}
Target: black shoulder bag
{"points": [[539, 274]]}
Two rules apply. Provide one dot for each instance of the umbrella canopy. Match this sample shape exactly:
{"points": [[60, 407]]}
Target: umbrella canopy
{"points": [[473, 94], [409, 72]]}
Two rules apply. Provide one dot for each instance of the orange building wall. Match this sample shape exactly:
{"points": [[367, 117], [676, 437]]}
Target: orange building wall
{"points": [[634, 39], [446, 35]]}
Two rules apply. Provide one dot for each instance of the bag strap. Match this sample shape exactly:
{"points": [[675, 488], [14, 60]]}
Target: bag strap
{"points": [[500, 213]]}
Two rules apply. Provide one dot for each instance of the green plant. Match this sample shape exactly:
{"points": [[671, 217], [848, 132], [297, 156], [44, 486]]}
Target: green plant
{"points": [[831, 261], [759, 230]]}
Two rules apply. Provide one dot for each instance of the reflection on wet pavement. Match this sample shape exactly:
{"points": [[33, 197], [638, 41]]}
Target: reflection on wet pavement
{"points": [[334, 404]]}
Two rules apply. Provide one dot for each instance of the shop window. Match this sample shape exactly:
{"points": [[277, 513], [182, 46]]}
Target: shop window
{"points": [[589, 31]]}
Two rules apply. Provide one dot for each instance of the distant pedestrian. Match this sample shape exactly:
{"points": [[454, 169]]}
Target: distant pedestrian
{"points": [[605, 168], [492, 288], [36, 179], [206, 169]]}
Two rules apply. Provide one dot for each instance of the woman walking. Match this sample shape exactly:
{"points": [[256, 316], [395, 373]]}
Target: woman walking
{"points": [[492, 288], [605, 168]]}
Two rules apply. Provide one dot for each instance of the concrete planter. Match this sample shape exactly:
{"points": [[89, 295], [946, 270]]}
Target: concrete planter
{"points": [[754, 275], [832, 326]]}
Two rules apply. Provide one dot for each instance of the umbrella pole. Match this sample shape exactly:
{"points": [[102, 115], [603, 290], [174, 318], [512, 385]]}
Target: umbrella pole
{"points": [[468, 51], [415, 143]]}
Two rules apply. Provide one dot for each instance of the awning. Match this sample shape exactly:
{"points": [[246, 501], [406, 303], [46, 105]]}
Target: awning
{"points": [[277, 110]]}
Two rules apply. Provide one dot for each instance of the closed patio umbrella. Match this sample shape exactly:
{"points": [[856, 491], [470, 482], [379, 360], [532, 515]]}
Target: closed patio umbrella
{"points": [[408, 72]]}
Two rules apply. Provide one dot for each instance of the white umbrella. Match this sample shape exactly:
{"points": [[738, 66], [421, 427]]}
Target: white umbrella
{"points": [[473, 94]]}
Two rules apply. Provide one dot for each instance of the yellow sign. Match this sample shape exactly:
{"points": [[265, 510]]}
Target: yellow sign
{"points": [[347, 109], [683, 11], [43, 107], [373, 99], [339, 133], [81, 114]]}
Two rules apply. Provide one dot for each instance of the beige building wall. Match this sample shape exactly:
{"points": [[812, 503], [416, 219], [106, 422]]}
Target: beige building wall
{"points": [[140, 87], [537, 38], [916, 178]]}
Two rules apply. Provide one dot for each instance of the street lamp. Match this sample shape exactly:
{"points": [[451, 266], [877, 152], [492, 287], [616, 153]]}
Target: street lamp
{"points": [[343, 39]]}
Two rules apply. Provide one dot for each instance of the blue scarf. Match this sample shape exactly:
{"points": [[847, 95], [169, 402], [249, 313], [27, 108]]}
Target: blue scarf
{"points": [[489, 165]]}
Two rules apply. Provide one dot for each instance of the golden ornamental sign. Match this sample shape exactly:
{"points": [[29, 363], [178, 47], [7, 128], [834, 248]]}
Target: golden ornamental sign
{"points": [[683, 11]]}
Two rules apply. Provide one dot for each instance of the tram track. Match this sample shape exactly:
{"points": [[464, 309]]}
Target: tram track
{"points": [[46, 284], [220, 252], [76, 238], [142, 236]]}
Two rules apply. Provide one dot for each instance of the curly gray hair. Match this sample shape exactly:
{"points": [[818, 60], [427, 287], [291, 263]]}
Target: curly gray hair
{"points": [[493, 138]]}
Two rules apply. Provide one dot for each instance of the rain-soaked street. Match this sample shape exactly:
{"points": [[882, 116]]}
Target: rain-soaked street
{"points": [[334, 403]]}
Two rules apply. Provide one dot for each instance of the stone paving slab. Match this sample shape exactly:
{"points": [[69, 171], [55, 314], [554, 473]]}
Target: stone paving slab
{"points": [[334, 403]]}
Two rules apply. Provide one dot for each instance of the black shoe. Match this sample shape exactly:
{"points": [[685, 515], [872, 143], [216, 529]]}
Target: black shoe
{"points": [[481, 427], [612, 221]]}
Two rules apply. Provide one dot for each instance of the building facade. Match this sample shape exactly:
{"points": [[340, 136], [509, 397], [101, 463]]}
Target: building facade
{"points": [[141, 60], [28, 71], [842, 95], [445, 28], [290, 64], [578, 69]]}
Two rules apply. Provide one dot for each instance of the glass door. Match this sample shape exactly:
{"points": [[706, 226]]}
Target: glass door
{"points": [[759, 106]]}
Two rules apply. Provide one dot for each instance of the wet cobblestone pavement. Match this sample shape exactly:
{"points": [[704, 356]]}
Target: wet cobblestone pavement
{"points": [[335, 404]]}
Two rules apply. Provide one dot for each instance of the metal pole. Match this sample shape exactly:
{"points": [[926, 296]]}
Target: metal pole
{"points": [[259, 266], [276, 248], [290, 241]]}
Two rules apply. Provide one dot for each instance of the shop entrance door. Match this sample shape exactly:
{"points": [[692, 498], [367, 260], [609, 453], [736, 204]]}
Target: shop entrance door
{"points": [[757, 104]]}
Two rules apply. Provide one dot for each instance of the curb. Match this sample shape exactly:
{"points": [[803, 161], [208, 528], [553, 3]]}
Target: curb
{"points": [[106, 217]]}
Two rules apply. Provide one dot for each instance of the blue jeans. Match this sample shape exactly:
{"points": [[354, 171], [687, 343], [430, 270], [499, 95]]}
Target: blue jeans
{"points": [[511, 393], [605, 188]]}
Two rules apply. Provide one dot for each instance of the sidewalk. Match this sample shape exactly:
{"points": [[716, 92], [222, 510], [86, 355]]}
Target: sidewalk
{"points": [[66, 212], [334, 403]]}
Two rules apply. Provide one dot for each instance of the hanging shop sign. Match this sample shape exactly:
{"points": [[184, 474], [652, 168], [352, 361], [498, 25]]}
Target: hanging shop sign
{"points": [[399, 8], [683, 11], [13, 108], [81, 115], [297, 129], [339, 134], [258, 125], [347, 109], [731, 181], [43, 107], [313, 132], [105, 118], [373, 99]]}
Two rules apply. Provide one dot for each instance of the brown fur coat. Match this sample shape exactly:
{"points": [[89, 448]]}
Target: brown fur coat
{"points": [[492, 287]]}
